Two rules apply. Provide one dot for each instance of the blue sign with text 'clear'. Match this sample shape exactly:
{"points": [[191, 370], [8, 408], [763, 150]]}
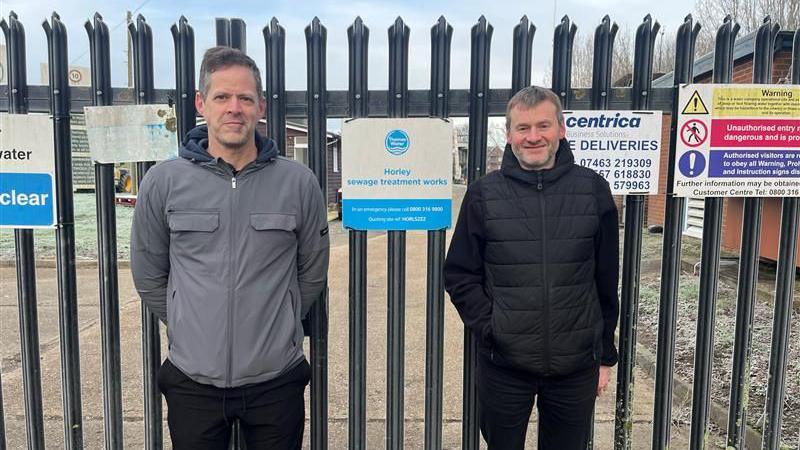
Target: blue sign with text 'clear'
{"points": [[26, 200]]}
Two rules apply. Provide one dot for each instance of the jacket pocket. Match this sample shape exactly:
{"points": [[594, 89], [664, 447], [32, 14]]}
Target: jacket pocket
{"points": [[273, 221], [270, 234], [298, 335], [188, 221], [194, 239]]}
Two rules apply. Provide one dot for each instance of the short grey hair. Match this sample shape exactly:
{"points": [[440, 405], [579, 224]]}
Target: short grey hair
{"points": [[218, 58], [531, 96]]}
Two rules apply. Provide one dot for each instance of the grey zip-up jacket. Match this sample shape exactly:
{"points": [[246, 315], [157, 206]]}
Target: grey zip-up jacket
{"points": [[231, 263]]}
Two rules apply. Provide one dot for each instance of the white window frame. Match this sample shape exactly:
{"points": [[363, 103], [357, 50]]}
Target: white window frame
{"points": [[335, 159], [301, 148]]}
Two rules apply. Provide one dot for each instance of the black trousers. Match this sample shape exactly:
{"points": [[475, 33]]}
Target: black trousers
{"points": [[506, 397], [271, 414]]}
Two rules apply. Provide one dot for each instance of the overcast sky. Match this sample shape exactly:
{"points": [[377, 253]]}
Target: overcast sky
{"points": [[294, 16]]}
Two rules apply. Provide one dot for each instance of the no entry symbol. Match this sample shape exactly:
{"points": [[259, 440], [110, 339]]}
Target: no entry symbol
{"points": [[694, 133]]}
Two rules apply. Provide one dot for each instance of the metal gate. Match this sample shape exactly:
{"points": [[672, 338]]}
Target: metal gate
{"points": [[317, 104]]}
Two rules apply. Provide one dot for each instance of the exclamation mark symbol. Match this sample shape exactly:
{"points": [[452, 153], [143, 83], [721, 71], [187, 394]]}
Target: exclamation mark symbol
{"points": [[692, 160], [695, 103]]}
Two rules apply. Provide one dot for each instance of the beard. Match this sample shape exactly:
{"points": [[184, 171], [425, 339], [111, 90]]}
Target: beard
{"points": [[234, 141]]}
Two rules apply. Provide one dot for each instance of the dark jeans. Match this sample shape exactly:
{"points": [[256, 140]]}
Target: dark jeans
{"points": [[506, 397], [271, 414]]}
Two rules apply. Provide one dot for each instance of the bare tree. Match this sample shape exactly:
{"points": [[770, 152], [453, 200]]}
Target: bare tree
{"points": [[664, 53], [583, 58], [622, 65], [748, 13]]}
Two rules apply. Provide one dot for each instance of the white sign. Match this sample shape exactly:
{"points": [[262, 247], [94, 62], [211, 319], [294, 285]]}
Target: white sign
{"points": [[27, 171], [622, 146], [76, 75], [131, 133], [396, 174], [738, 140]]}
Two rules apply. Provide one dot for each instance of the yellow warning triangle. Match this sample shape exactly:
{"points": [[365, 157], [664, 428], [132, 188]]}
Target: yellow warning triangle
{"points": [[695, 105]]}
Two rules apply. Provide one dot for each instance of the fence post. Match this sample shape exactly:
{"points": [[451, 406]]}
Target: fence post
{"points": [[632, 248], [397, 106], [604, 36], [602, 61], [183, 39], [316, 37], [65, 234], [25, 258], [142, 40], [563, 38], [748, 264], [671, 253], [784, 291], [523, 55], [480, 44], [441, 38], [709, 265], [275, 43], [231, 33], [358, 101], [100, 56]]}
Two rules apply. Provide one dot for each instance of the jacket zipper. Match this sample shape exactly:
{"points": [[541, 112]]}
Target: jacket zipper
{"points": [[232, 281], [546, 322]]}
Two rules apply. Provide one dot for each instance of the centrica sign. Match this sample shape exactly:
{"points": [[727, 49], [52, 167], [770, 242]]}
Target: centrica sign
{"points": [[27, 172], [622, 146], [603, 121]]}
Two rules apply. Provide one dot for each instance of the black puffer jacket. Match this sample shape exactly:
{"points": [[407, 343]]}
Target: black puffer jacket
{"points": [[533, 266]]}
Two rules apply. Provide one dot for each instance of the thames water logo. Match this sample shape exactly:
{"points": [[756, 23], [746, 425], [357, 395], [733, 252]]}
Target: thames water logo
{"points": [[397, 142]]}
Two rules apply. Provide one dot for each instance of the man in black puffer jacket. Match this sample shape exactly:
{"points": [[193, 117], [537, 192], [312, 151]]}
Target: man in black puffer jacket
{"points": [[533, 270]]}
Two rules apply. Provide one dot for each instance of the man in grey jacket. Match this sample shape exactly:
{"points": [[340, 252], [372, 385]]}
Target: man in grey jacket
{"points": [[230, 249]]}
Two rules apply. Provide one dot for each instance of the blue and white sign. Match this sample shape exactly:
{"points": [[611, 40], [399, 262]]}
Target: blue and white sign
{"points": [[397, 174], [27, 171], [622, 146]]}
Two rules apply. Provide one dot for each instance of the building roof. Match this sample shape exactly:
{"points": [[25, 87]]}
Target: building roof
{"points": [[742, 48]]}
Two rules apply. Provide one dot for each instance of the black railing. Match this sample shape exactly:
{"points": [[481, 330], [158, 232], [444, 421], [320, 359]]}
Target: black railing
{"points": [[318, 104]]}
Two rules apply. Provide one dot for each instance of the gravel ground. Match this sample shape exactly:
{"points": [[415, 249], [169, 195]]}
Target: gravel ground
{"points": [[724, 335]]}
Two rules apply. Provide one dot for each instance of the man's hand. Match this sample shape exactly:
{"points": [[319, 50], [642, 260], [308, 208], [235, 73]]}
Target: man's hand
{"points": [[605, 377]]}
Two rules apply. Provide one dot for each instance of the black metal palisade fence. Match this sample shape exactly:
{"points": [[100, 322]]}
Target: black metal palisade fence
{"points": [[317, 104]]}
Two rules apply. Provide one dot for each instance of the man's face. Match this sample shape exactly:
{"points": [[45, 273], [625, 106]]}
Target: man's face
{"points": [[232, 107], [534, 134]]}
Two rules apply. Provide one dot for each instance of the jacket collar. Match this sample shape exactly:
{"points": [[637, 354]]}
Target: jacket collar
{"points": [[195, 147], [564, 162]]}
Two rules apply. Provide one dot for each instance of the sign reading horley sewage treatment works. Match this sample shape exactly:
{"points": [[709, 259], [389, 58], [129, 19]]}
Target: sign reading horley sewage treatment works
{"points": [[397, 174]]}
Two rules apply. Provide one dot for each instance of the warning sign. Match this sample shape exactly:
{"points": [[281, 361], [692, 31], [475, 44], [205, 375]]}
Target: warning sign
{"points": [[694, 133], [695, 105], [747, 144]]}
